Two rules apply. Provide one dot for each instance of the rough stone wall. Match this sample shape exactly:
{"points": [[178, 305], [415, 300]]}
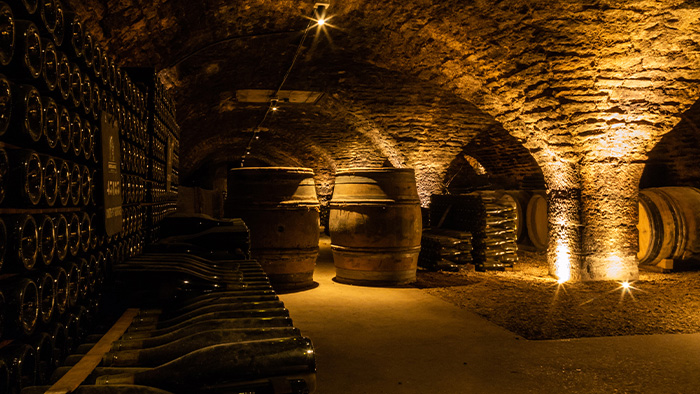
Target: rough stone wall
{"points": [[368, 116], [511, 166], [589, 88], [159, 33], [675, 160], [414, 123]]}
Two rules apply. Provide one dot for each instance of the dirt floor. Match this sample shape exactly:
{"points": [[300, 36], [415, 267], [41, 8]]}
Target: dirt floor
{"points": [[528, 302]]}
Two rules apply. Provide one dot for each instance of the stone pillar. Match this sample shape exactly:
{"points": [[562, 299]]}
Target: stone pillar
{"points": [[564, 249], [609, 215], [592, 222], [563, 211]]}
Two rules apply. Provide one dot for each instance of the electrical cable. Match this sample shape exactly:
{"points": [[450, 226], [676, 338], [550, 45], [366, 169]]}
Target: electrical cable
{"points": [[272, 105]]}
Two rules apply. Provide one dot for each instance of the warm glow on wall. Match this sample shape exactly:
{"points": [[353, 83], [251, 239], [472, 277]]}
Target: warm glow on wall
{"points": [[562, 264], [620, 141], [616, 268], [478, 168]]}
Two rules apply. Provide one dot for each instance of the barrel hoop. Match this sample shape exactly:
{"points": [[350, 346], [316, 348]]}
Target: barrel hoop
{"points": [[272, 206], [374, 278], [656, 224], [678, 224], [281, 251], [370, 170], [372, 203], [284, 170], [350, 249]]}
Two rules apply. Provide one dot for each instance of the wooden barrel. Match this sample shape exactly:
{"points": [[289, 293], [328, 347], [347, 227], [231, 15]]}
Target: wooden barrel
{"points": [[375, 226], [280, 207], [521, 198], [536, 220], [669, 224]]}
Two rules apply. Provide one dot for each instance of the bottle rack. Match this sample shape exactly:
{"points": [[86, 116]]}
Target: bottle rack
{"points": [[62, 85], [163, 155]]}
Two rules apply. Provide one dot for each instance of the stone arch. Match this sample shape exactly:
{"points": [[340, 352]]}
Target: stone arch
{"points": [[675, 159], [506, 162]]}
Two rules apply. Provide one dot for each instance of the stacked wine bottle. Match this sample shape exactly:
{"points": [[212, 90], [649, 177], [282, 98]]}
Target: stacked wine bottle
{"points": [[495, 244], [55, 84], [490, 216], [236, 337], [445, 250], [162, 156], [236, 341]]}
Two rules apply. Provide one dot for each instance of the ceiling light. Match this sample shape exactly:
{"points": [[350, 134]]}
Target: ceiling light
{"points": [[283, 96], [320, 13]]}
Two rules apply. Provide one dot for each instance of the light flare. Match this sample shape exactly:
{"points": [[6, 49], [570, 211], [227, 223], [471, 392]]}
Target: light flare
{"points": [[626, 287], [321, 22], [562, 264]]}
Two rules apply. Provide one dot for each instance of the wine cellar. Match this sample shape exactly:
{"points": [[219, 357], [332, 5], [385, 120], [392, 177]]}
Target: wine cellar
{"points": [[296, 197]]}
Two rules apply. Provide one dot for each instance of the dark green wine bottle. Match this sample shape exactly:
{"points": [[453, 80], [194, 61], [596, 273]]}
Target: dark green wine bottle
{"points": [[229, 363], [165, 321], [91, 389], [158, 337], [280, 312], [151, 357], [22, 302]]}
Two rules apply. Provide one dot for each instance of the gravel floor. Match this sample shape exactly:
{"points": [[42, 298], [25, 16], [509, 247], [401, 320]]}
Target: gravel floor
{"points": [[528, 302]]}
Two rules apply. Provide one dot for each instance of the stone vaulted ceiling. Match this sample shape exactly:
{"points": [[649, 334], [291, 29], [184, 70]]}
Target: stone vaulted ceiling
{"points": [[557, 75], [572, 96]]}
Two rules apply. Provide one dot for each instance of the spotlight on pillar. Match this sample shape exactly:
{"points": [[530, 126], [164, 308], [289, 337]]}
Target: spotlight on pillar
{"points": [[562, 263], [320, 13], [274, 104]]}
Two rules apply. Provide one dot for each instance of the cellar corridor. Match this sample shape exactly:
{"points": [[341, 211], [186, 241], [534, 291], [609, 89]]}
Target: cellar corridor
{"points": [[506, 195], [402, 340]]}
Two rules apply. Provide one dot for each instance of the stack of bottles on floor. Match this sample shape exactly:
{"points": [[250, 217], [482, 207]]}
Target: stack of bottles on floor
{"points": [[208, 321], [181, 262], [445, 250], [203, 235], [489, 216]]}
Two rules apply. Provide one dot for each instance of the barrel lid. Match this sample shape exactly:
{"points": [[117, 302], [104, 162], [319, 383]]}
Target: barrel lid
{"points": [[365, 170], [271, 186], [299, 170], [374, 186]]}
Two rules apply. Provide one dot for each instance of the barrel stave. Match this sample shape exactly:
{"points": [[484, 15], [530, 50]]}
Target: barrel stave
{"points": [[375, 226], [280, 208]]}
